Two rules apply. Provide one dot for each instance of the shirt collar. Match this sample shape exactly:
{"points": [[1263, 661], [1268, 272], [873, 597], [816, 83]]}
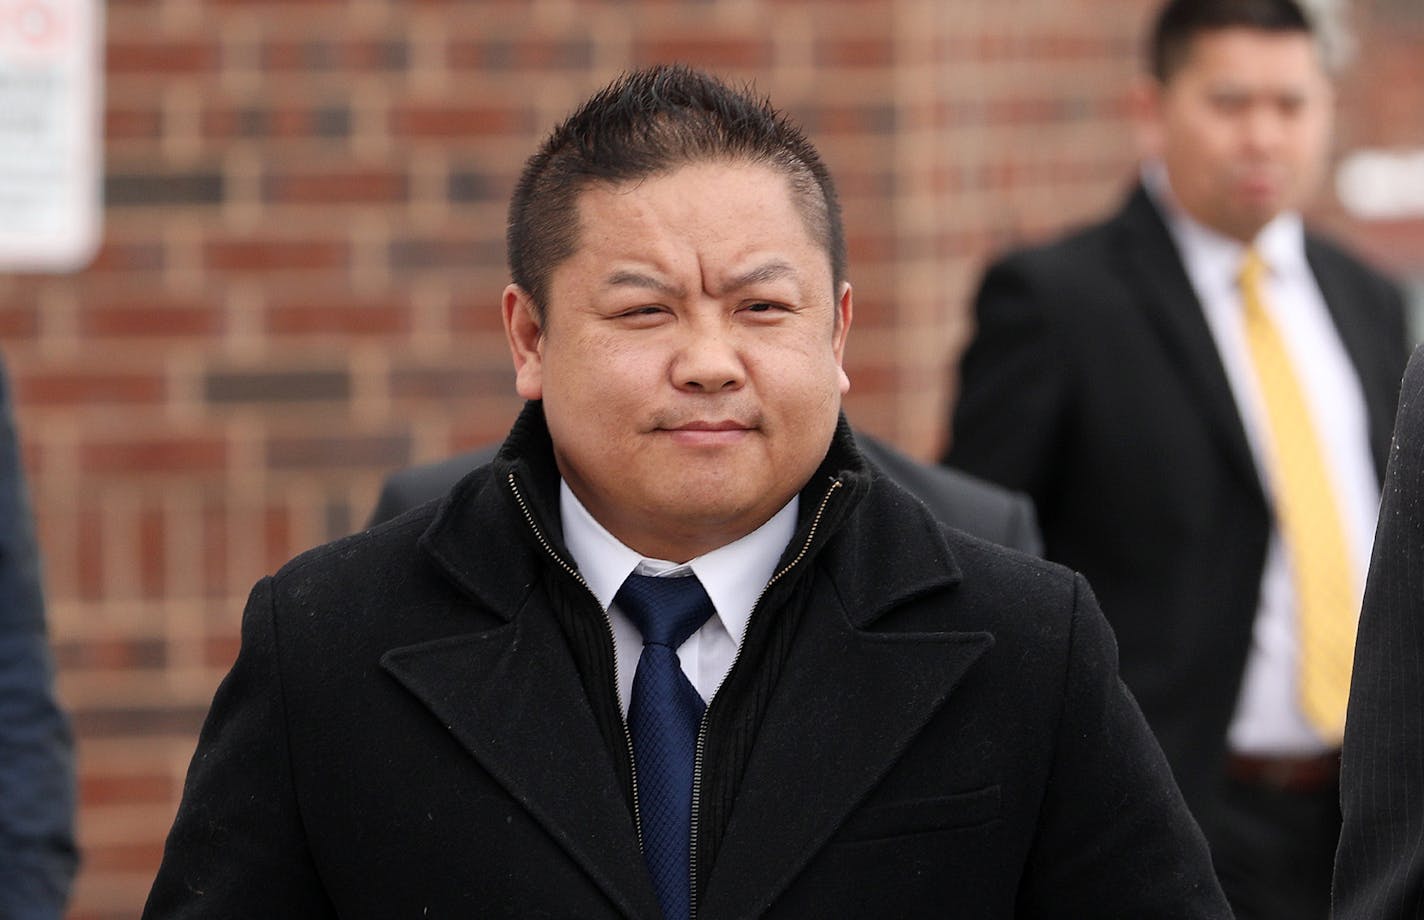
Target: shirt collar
{"points": [[1280, 244], [733, 575]]}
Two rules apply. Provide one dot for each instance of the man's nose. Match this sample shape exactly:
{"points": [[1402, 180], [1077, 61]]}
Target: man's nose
{"points": [[708, 360], [1264, 128]]}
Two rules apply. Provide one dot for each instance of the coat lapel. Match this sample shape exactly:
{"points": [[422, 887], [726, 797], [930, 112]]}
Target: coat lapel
{"points": [[849, 702], [511, 694], [820, 753], [512, 698], [1377, 373], [1166, 296]]}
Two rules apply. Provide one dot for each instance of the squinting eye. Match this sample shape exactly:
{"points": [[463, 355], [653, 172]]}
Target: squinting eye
{"points": [[761, 307], [644, 317]]}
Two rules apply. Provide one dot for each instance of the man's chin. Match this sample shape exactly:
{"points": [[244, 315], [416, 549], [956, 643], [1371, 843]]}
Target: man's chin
{"points": [[713, 506]]}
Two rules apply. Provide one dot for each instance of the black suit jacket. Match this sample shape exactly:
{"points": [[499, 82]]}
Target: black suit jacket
{"points": [[957, 499], [1094, 385], [405, 733], [1379, 870]]}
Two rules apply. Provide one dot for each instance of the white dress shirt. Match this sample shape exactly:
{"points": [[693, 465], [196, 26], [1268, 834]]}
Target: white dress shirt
{"points": [[1268, 720], [734, 577]]}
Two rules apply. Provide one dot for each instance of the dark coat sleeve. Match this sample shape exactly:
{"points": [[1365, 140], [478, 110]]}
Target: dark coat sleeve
{"points": [[1379, 869], [1114, 836], [237, 848], [37, 851]]}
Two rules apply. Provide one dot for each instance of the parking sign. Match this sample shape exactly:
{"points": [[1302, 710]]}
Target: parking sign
{"points": [[50, 138]]}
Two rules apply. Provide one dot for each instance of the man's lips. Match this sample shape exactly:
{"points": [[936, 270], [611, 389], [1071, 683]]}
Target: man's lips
{"points": [[1257, 184], [724, 425], [707, 432]]}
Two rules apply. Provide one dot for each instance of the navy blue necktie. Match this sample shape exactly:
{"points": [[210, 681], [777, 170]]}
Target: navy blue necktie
{"points": [[663, 717]]}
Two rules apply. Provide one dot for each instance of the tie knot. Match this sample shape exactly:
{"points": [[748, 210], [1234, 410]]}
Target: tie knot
{"points": [[1253, 270], [665, 610]]}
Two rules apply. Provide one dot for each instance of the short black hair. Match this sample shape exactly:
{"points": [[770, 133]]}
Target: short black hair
{"points": [[653, 121], [1181, 22]]}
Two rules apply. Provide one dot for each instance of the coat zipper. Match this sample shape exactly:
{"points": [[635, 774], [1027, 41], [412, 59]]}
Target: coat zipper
{"points": [[702, 725], [608, 622]]}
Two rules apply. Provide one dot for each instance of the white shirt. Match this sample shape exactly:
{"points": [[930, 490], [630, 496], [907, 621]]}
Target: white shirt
{"points": [[1268, 719], [734, 577]]}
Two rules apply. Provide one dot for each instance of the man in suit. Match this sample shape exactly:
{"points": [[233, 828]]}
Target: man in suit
{"points": [[37, 850], [1197, 394], [1379, 870], [955, 498], [677, 650]]}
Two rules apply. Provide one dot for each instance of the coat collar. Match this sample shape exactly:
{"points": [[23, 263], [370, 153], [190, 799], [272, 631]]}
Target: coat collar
{"points": [[512, 697], [514, 497], [517, 493]]}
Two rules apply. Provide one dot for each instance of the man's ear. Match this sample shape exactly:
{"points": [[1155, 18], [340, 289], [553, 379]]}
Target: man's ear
{"points": [[1145, 102], [526, 341], [844, 313]]}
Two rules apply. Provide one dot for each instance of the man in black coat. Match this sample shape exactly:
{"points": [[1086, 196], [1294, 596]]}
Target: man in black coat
{"points": [[503, 704], [1116, 378], [1379, 870], [957, 499]]}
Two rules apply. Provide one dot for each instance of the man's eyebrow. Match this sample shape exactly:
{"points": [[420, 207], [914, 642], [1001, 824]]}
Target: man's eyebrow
{"points": [[774, 270], [629, 278]]}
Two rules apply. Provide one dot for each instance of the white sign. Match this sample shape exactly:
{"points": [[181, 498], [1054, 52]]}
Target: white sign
{"points": [[50, 191], [1382, 184]]}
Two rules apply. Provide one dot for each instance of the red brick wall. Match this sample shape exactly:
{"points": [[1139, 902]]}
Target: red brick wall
{"points": [[299, 283]]}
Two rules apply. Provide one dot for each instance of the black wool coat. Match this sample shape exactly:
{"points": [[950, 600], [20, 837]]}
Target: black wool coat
{"points": [[407, 732]]}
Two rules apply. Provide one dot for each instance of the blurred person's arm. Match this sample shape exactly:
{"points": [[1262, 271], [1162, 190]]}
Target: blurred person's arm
{"points": [[37, 850]]}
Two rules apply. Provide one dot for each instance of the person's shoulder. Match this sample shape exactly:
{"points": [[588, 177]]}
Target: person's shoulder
{"points": [[387, 557], [1336, 263], [947, 579], [1007, 580], [351, 564], [1081, 269], [440, 475], [1078, 250], [1028, 604], [990, 511], [1041, 614], [406, 488], [959, 499]]}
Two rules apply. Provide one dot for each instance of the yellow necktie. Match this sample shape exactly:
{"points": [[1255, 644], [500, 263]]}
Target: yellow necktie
{"points": [[1308, 517]]}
